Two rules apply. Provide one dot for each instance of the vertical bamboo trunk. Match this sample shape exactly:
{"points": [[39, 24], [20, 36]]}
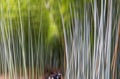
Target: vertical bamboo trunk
{"points": [[63, 43], [116, 52], [64, 61]]}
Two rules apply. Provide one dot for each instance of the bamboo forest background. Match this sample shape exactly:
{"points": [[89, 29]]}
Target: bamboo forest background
{"points": [[79, 37]]}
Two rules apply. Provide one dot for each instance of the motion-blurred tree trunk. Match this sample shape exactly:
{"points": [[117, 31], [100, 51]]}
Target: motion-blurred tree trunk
{"points": [[115, 59]]}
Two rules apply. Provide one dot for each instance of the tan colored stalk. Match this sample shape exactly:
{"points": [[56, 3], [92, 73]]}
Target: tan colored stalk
{"points": [[114, 59]]}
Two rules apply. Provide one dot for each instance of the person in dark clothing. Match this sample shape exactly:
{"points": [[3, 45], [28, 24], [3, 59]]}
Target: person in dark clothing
{"points": [[55, 76], [52, 74]]}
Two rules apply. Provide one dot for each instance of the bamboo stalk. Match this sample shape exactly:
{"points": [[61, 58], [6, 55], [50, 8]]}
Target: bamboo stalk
{"points": [[114, 59]]}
